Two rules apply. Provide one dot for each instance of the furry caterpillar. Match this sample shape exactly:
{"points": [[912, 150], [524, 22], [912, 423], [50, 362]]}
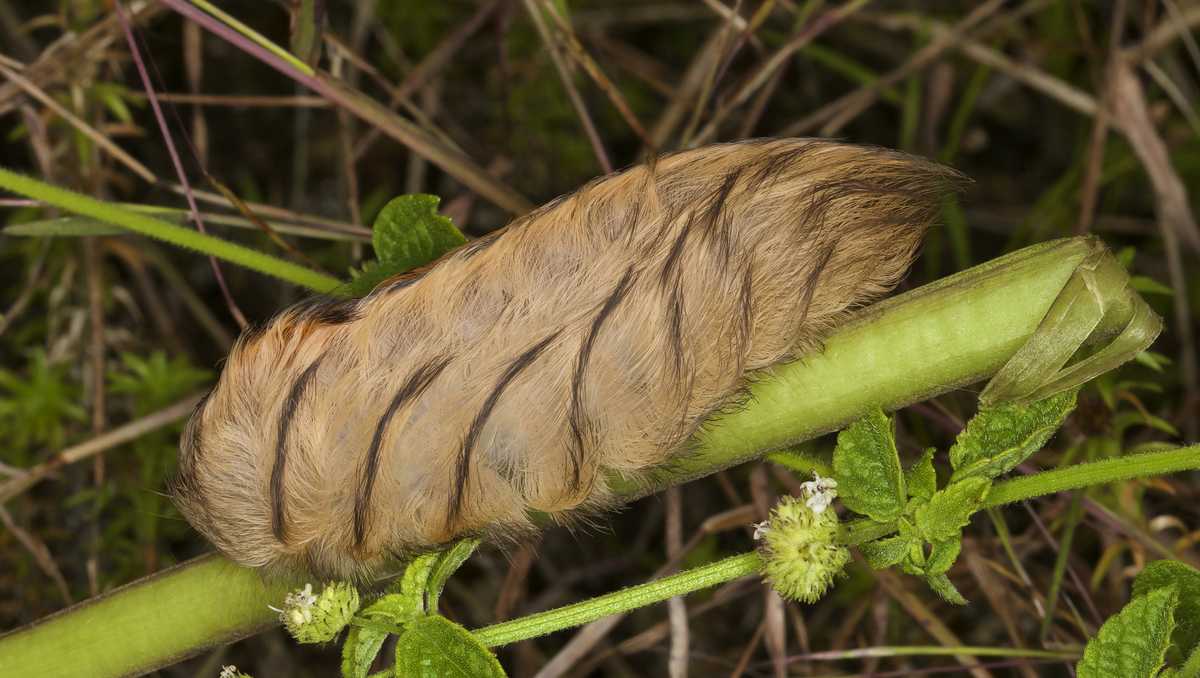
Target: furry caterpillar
{"points": [[517, 373]]}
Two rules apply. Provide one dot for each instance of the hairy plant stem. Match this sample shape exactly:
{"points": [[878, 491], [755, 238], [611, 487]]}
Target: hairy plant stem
{"points": [[167, 232], [695, 579], [943, 336]]}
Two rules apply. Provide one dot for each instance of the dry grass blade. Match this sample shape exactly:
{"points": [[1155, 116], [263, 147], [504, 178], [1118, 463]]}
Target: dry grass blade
{"points": [[772, 66], [593, 70], [844, 109], [105, 441], [677, 660], [536, 14], [56, 62], [41, 554], [373, 113], [1132, 115], [87, 130], [927, 619], [434, 62]]}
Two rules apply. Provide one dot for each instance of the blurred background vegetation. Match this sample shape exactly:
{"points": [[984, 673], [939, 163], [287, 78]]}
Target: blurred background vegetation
{"points": [[1071, 117]]}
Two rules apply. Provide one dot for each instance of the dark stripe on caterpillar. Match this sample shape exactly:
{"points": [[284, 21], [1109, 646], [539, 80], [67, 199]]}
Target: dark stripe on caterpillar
{"points": [[278, 517], [333, 311], [716, 228], [674, 313], [746, 317], [412, 389], [462, 470], [813, 276], [576, 416], [672, 261]]}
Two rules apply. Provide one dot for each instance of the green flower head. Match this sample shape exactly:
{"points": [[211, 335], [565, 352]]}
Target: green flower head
{"points": [[319, 618], [800, 549]]}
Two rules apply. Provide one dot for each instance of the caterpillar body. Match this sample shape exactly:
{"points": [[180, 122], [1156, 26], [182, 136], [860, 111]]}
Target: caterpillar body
{"points": [[518, 373]]}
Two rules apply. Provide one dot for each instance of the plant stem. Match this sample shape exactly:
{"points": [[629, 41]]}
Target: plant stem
{"points": [[176, 235], [1095, 473], [540, 624]]}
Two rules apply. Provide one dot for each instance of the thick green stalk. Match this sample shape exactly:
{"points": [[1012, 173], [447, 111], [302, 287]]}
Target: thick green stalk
{"points": [[167, 232], [939, 337], [153, 622]]}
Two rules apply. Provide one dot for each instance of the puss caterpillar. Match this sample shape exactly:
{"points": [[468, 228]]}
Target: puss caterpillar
{"points": [[519, 372]]}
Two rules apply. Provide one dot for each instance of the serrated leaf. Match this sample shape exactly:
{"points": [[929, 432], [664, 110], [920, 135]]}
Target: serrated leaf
{"points": [[447, 563], [883, 553], [942, 586], [360, 649], [867, 468], [999, 438], [409, 232], [1191, 667], [413, 586], [1186, 579], [921, 478], [435, 647], [950, 508], [1133, 642], [942, 555]]}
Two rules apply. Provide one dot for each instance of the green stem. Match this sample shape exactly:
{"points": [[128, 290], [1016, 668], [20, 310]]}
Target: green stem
{"points": [[176, 235], [617, 602], [254, 36], [1095, 473]]}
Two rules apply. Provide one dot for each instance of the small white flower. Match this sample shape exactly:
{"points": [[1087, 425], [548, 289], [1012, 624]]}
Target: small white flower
{"points": [[820, 492], [297, 606], [312, 618], [760, 530], [231, 671]]}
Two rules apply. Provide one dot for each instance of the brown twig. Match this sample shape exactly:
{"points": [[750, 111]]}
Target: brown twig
{"points": [[105, 441]]}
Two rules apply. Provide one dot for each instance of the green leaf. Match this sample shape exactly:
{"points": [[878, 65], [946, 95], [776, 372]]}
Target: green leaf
{"points": [[1140, 283], [360, 649], [943, 555], [950, 509], [1186, 579], [867, 468], [414, 583], [1191, 667], [999, 438], [941, 585], [1133, 642], [920, 478], [884, 553], [447, 563], [409, 232], [435, 647]]}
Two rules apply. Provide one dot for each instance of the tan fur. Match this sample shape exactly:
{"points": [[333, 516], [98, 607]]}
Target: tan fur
{"points": [[686, 274]]}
